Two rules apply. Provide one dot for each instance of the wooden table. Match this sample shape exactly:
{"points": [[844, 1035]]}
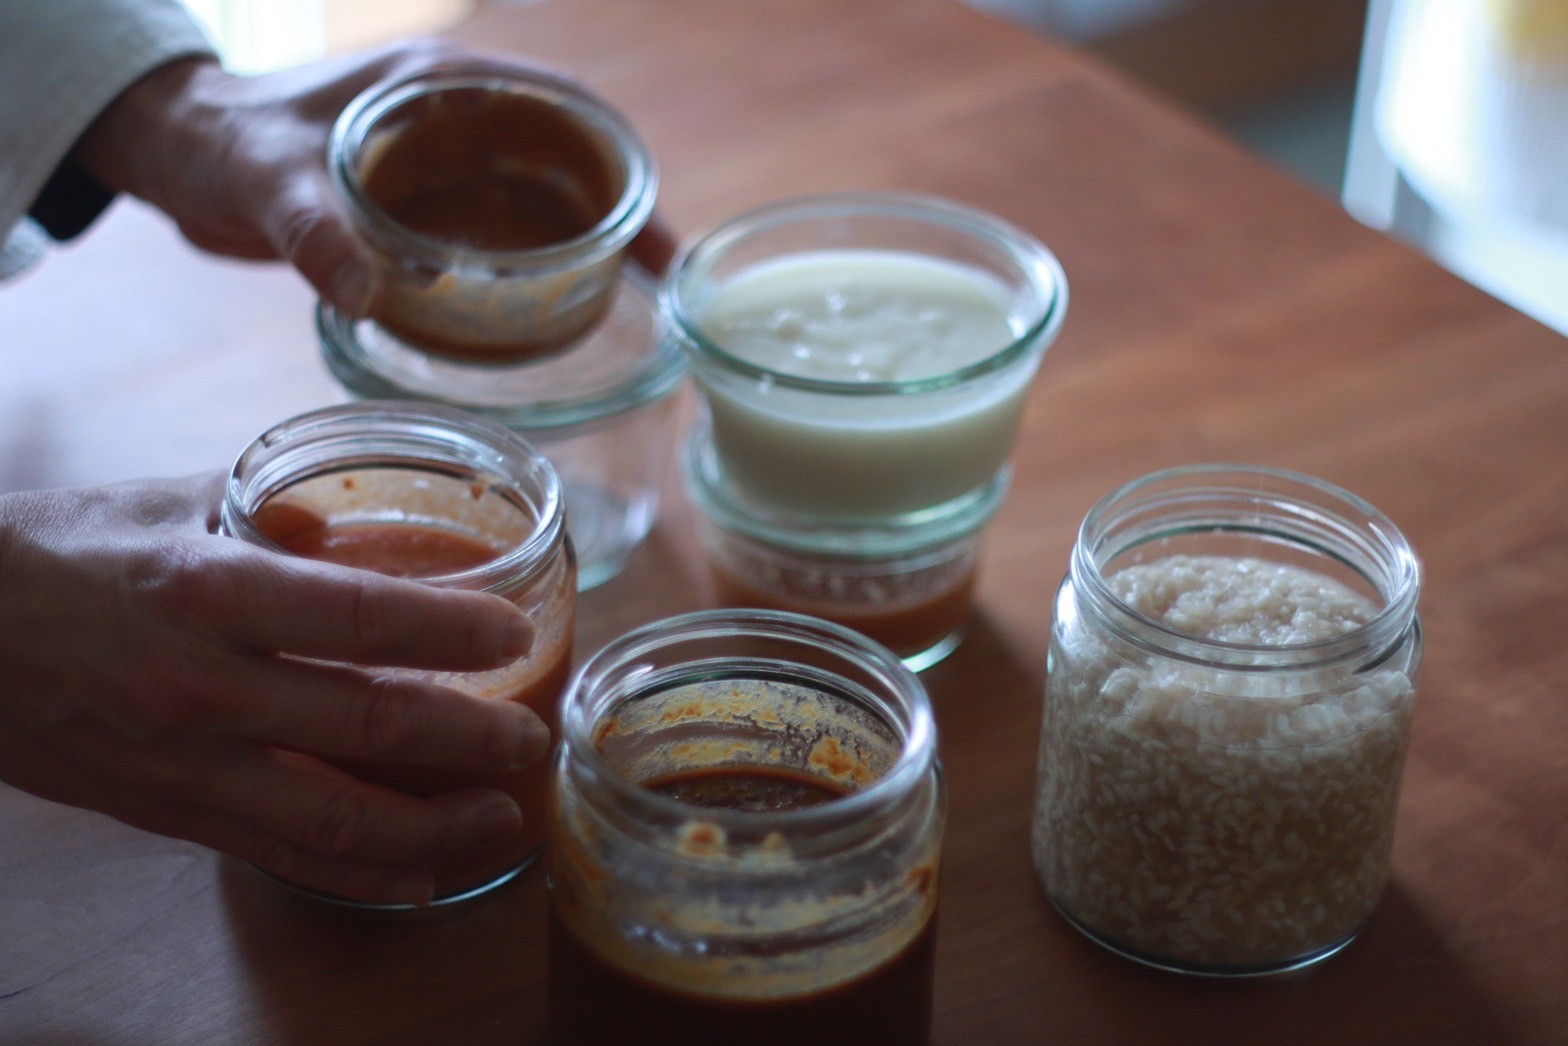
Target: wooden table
{"points": [[1220, 312]]}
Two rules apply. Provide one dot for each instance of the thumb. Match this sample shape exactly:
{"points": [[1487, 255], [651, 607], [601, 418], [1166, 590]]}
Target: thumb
{"points": [[309, 228]]}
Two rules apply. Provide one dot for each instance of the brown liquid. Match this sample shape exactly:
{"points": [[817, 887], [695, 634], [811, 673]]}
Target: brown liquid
{"points": [[591, 1001], [752, 789], [412, 551], [492, 171]]}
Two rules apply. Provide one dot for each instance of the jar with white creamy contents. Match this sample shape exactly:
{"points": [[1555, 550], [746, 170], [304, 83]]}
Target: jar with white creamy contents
{"points": [[862, 362], [1228, 701], [864, 356]]}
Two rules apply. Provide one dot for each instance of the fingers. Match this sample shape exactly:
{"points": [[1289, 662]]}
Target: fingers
{"points": [[306, 224], [187, 504], [329, 812], [331, 711], [295, 816], [272, 603], [317, 827], [654, 247]]}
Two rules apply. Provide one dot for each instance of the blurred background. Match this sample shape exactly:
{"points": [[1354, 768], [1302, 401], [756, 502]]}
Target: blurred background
{"points": [[1443, 122]]}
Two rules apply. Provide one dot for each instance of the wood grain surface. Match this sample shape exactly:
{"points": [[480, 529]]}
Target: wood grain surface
{"points": [[1219, 312]]}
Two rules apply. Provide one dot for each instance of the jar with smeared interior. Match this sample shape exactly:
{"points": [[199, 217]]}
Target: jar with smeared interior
{"points": [[1228, 701], [448, 499], [501, 202], [745, 834]]}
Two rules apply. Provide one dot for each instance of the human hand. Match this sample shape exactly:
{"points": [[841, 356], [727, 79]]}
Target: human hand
{"points": [[240, 162], [156, 672]]}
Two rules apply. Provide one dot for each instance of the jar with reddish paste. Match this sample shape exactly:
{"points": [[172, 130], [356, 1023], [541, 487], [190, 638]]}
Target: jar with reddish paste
{"points": [[439, 496], [745, 837], [907, 582]]}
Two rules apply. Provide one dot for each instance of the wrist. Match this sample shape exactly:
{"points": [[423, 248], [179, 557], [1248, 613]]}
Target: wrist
{"points": [[129, 145]]}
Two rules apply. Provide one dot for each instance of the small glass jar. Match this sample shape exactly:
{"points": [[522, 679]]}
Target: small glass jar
{"points": [[908, 584], [1227, 707], [502, 205], [864, 356], [603, 413], [374, 479], [745, 834]]}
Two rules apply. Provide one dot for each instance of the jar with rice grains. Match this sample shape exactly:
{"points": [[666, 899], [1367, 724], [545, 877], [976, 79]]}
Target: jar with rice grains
{"points": [[1228, 702]]}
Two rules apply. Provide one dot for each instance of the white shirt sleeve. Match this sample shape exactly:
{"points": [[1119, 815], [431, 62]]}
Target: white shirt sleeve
{"points": [[61, 63]]}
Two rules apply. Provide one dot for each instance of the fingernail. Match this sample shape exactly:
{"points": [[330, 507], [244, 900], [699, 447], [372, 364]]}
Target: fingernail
{"points": [[518, 638], [497, 823], [535, 743], [416, 890], [354, 289]]}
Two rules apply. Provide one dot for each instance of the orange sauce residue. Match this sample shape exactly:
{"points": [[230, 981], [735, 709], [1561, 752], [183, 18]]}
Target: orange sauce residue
{"points": [[829, 755]]}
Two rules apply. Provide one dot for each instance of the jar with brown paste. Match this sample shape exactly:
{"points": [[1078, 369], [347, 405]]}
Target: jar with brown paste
{"points": [[501, 203]]}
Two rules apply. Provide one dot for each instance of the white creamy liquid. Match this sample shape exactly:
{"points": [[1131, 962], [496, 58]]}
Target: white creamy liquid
{"points": [[853, 317]]}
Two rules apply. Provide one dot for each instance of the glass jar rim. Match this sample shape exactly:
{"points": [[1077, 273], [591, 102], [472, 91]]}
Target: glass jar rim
{"points": [[614, 673], [1038, 264], [625, 219], [371, 374], [1315, 514], [364, 435]]}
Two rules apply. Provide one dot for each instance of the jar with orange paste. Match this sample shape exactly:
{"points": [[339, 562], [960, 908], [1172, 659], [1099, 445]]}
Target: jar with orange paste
{"points": [[745, 839], [437, 495]]}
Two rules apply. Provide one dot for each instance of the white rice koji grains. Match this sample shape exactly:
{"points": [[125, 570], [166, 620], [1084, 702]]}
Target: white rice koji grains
{"points": [[1208, 815]]}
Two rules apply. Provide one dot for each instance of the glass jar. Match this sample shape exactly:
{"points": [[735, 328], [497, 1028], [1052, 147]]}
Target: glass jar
{"points": [[374, 479], [908, 584], [745, 834], [864, 356], [604, 413], [1228, 700], [502, 204]]}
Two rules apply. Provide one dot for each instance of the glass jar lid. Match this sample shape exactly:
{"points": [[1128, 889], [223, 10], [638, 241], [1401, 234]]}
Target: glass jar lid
{"points": [[626, 361]]}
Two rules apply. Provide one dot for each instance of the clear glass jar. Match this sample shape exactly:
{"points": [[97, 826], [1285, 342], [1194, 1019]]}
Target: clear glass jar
{"points": [[908, 584], [502, 205], [745, 834], [371, 477], [864, 356], [604, 413], [1228, 699]]}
